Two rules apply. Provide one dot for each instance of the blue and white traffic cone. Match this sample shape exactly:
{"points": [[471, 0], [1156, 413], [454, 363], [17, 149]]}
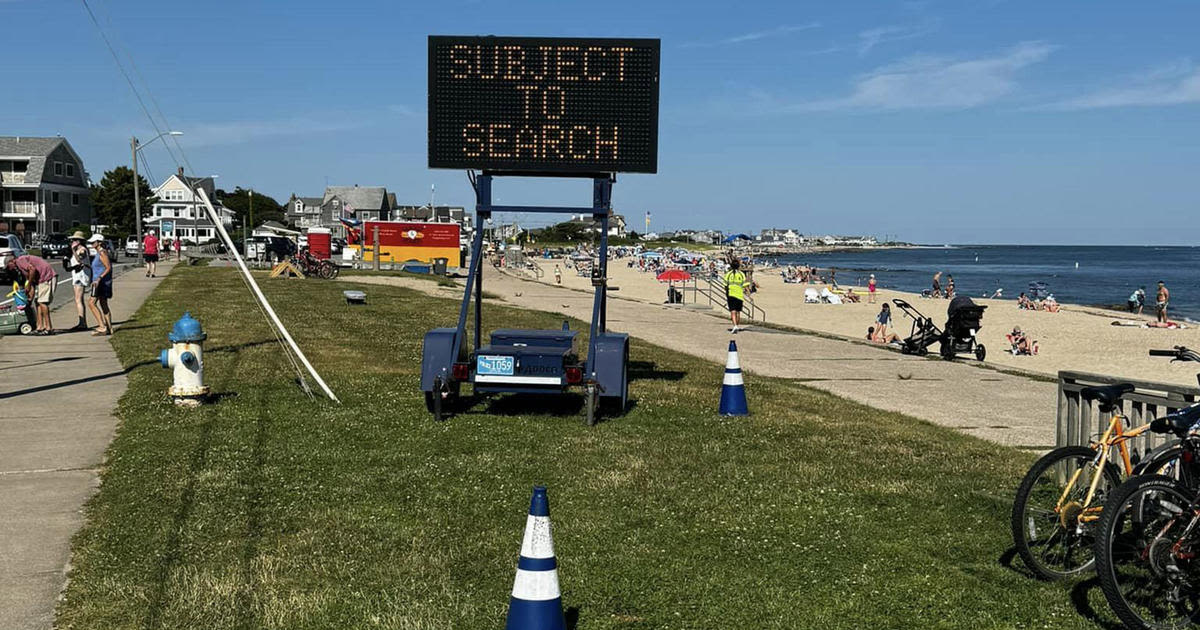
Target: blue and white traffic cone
{"points": [[733, 390], [536, 601]]}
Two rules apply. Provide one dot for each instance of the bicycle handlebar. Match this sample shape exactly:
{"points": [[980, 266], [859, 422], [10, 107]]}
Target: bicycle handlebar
{"points": [[1180, 353]]}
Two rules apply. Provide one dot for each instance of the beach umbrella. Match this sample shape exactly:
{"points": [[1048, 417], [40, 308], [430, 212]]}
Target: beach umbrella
{"points": [[735, 237], [672, 275]]}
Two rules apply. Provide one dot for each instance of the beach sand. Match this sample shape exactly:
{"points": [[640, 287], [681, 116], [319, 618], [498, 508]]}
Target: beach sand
{"points": [[1077, 338]]}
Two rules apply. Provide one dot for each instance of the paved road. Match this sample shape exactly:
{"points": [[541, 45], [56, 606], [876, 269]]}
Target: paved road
{"points": [[1004, 408], [57, 394]]}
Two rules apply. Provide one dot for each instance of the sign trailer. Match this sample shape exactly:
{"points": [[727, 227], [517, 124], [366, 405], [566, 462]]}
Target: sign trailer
{"points": [[538, 107]]}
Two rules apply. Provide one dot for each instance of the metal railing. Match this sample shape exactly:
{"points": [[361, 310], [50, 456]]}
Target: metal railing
{"points": [[1079, 421], [20, 207], [713, 289]]}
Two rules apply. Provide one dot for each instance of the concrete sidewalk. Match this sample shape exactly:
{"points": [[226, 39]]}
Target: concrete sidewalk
{"points": [[58, 394], [1005, 408]]}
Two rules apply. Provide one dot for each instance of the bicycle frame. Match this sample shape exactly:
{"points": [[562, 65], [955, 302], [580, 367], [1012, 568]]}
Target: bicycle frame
{"points": [[1116, 436]]}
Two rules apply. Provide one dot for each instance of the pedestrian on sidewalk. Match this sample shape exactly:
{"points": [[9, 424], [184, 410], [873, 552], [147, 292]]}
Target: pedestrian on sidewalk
{"points": [[557, 275], [40, 280], [150, 253], [102, 288], [735, 292], [175, 243], [79, 264]]}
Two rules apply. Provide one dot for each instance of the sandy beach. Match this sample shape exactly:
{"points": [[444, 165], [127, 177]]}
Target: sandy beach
{"points": [[1075, 338]]}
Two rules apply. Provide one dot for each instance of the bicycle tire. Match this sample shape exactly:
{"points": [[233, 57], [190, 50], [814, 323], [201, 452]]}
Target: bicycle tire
{"points": [[1019, 519], [1116, 513]]}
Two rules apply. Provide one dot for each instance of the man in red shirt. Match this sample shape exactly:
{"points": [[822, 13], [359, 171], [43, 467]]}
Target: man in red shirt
{"points": [[150, 253], [41, 279]]}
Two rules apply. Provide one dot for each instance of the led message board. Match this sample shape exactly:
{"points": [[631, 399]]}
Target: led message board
{"points": [[543, 105]]}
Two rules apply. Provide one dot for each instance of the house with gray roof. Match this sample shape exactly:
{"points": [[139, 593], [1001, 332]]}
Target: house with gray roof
{"points": [[303, 212], [365, 203], [43, 186]]}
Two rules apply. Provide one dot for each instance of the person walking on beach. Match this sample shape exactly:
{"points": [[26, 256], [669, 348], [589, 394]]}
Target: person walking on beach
{"points": [[884, 319], [101, 289], [80, 265], [41, 280], [871, 290], [1137, 300], [735, 292], [150, 253], [949, 287], [1163, 297], [557, 275], [937, 285], [833, 278]]}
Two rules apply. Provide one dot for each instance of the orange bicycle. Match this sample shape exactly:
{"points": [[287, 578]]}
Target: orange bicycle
{"points": [[1060, 499]]}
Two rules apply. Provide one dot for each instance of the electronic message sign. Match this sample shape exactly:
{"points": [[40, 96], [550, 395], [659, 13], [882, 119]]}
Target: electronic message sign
{"points": [[543, 105]]}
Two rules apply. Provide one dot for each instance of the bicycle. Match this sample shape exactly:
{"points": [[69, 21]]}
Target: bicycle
{"points": [[1061, 498], [1147, 543]]}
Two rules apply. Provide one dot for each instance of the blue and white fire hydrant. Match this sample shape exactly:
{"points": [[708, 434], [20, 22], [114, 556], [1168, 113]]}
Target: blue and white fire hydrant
{"points": [[186, 356]]}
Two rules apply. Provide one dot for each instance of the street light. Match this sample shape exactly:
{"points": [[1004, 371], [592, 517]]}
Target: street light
{"points": [[137, 201]]}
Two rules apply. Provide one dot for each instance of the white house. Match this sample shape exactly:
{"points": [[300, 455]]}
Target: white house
{"points": [[179, 212]]}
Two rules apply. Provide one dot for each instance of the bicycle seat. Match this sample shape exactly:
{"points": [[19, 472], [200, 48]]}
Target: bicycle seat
{"points": [[1107, 395], [1178, 421]]}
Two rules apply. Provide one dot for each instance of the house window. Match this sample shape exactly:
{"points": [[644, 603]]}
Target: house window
{"points": [[58, 169], [70, 169], [54, 199], [74, 199], [55, 226]]}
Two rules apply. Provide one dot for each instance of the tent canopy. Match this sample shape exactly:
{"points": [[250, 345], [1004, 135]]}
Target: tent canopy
{"points": [[734, 237]]}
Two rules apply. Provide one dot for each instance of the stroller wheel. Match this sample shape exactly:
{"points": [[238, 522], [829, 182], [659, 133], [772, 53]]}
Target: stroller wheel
{"points": [[980, 352], [26, 329]]}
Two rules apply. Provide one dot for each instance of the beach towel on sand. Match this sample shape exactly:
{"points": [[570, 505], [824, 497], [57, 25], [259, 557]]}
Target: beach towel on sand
{"points": [[811, 296]]}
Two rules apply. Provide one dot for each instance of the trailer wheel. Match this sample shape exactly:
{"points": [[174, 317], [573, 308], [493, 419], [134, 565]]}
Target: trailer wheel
{"points": [[25, 328], [592, 402]]}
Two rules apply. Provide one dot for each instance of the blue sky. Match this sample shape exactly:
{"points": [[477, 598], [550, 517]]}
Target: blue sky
{"points": [[966, 121]]}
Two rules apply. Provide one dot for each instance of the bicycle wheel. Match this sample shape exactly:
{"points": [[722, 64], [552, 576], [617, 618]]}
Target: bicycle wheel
{"points": [[1146, 569], [1052, 541]]}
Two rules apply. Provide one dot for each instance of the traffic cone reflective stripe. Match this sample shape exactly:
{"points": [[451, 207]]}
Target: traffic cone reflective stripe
{"points": [[536, 599], [733, 390]]}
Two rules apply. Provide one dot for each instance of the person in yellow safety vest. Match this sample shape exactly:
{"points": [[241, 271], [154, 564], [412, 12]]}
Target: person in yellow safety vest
{"points": [[735, 292]]}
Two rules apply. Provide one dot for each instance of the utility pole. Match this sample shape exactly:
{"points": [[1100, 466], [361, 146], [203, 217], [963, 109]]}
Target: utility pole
{"points": [[137, 201]]}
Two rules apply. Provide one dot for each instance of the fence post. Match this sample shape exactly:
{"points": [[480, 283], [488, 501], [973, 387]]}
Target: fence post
{"points": [[1060, 417], [375, 247]]}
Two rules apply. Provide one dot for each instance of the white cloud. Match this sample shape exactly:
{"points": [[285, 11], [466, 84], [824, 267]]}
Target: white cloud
{"points": [[872, 37], [928, 82], [757, 35], [1176, 84]]}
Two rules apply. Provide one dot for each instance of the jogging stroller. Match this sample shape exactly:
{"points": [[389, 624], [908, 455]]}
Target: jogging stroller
{"points": [[963, 321], [924, 332]]}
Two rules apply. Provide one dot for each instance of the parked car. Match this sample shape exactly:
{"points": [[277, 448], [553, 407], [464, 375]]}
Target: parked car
{"points": [[114, 254], [267, 248], [131, 246], [11, 241], [55, 246]]}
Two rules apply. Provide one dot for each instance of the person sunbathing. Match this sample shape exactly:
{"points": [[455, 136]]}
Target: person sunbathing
{"points": [[1050, 304], [879, 335], [1023, 302], [1021, 344], [851, 296]]}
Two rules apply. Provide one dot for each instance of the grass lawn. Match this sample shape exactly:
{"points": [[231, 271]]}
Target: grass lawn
{"points": [[271, 510]]}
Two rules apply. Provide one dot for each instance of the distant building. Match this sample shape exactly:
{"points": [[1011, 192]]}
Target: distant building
{"points": [[781, 236], [303, 212], [365, 203], [435, 214], [43, 186], [179, 212], [616, 224]]}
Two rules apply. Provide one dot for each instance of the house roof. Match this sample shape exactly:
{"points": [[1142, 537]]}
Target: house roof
{"points": [[36, 150], [357, 197]]}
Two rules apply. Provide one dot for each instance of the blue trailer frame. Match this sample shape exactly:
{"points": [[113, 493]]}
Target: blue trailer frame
{"points": [[604, 375]]}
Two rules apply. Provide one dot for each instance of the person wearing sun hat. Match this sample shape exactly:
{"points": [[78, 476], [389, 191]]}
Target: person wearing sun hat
{"points": [[79, 263], [102, 287]]}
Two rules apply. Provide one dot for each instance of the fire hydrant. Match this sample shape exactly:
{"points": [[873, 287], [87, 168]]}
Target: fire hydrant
{"points": [[186, 356]]}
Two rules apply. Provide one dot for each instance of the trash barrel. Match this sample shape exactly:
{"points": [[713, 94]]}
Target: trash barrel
{"points": [[439, 266]]}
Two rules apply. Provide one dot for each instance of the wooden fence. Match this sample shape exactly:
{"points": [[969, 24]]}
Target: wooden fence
{"points": [[1080, 421]]}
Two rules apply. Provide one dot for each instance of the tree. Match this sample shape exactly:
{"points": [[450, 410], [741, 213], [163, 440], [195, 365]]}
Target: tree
{"points": [[112, 200], [265, 208], [566, 231]]}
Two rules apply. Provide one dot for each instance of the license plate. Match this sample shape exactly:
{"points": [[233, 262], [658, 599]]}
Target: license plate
{"points": [[494, 366]]}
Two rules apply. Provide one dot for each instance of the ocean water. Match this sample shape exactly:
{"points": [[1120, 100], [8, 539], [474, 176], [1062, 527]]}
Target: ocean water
{"points": [[1105, 275]]}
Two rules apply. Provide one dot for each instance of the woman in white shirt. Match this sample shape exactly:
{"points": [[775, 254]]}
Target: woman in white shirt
{"points": [[80, 265]]}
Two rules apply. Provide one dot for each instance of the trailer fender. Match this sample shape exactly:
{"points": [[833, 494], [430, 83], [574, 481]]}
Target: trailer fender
{"points": [[437, 356], [611, 365]]}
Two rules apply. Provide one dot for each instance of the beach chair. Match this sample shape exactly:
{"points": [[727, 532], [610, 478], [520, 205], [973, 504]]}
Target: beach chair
{"points": [[811, 296], [830, 297]]}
